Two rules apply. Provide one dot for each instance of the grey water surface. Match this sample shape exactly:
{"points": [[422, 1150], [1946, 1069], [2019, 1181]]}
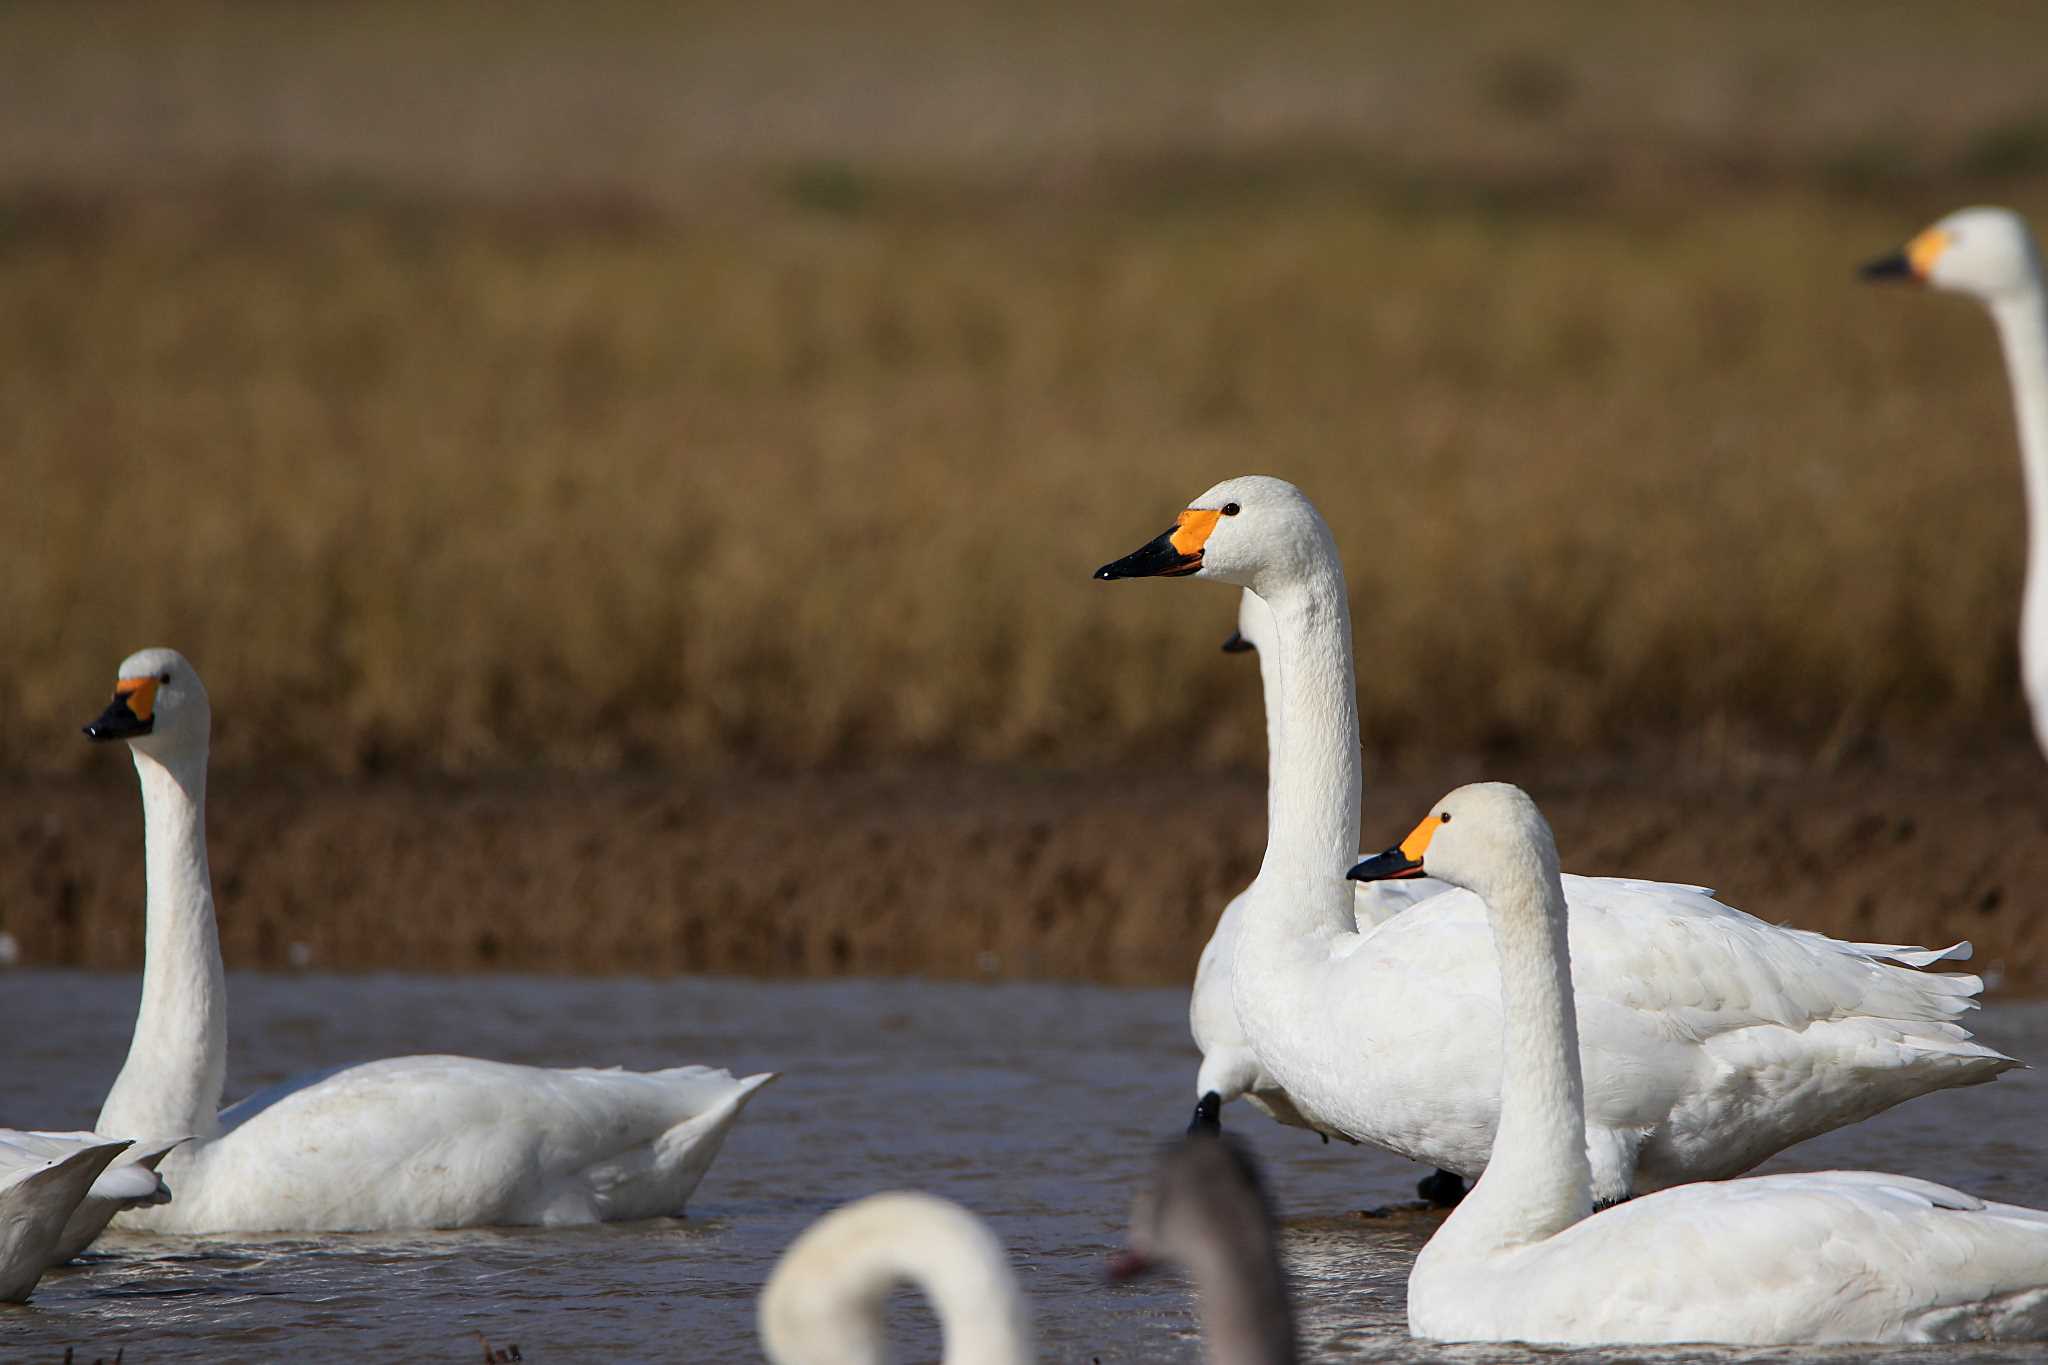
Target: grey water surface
{"points": [[1037, 1105]]}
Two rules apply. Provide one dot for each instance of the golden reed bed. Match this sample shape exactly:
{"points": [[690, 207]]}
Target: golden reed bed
{"points": [[959, 873]]}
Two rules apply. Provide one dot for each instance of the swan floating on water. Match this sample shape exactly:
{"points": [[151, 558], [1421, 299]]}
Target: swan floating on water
{"points": [[1833, 1256], [43, 1181], [407, 1142], [1988, 254], [1711, 1039]]}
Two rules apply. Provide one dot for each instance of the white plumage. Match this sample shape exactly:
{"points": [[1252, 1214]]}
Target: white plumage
{"points": [[408, 1142], [1711, 1038]]}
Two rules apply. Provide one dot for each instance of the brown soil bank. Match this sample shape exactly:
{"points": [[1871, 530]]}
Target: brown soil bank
{"points": [[1109, 877]]}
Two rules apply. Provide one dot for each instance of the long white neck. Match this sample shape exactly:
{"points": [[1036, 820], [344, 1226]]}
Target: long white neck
{"points": [[1313, 795], [177, 1061], [823, 1305], [1269, 685], [2023, 332], [1537, 1180]]}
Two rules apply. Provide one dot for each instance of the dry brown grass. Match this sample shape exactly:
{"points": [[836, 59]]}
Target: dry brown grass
{"points": [[679, 422]]}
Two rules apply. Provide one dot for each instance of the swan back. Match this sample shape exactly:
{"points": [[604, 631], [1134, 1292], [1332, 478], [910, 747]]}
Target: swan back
{"points": [[823, 1303]]}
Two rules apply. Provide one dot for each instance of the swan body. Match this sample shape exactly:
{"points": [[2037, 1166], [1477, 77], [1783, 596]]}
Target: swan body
{"points": [[1989, 254], [38, 1195], [408, 1142], [1710, 1038], [129, 1181], [1229, 1068], [1835, 1256], [823, 1302]]}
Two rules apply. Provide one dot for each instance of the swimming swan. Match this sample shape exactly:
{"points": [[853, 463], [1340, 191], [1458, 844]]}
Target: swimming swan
{"points": [[1205, 1211], [823, 1302], [1837, 1256], [407, 1142], [1989, 254], [1711, 1039], [130, 1181], [38, 1195]]}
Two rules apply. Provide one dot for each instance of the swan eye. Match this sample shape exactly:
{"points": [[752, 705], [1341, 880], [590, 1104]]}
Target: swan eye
{"points": [[1231, 509], [164, 677], [1444, 817]]}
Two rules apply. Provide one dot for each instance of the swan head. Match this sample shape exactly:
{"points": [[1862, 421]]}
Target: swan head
{"points": [[1986, 252], [1483, 837], [1250, 530], [159, 704]]}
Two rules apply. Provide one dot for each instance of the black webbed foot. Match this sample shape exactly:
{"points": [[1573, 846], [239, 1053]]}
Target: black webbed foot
{"points": [[1442, 1190]]}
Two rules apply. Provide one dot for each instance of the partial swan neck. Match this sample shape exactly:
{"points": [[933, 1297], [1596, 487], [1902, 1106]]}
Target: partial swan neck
{"points": [[1269, 686], [1537, 1181], [1242, 1291], [170, 1086], [1314, 792], [823, 1305], [2022, 321]]}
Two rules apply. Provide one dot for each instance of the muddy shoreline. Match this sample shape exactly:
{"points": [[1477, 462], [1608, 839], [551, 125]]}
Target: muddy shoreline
{"points": [[1112, 877]]}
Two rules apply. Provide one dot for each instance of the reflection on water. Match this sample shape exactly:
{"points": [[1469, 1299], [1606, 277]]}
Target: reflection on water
{"points": [[1036, 1105]]}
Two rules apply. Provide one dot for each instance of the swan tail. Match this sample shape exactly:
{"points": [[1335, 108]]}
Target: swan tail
{"points": [[1911, 955], [35, 1210], [656, 1180]]}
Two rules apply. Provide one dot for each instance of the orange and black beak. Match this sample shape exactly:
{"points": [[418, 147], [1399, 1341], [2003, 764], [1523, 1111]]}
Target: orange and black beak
{"points": [[1175, 553], [132, 712], [1913, 261], [1237, 644], [1403, 859]]}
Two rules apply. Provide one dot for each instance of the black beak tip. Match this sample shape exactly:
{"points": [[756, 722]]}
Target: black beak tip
{"points": [[1383, 867], [1237, 644], [1107, 572], [1892, 267]]}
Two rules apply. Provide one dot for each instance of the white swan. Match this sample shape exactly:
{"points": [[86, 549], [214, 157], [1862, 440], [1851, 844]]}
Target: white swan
{"points": [[1837, 1256], [1229, 1070], [1989, 254], [1712, 1039], [38, 1195], [823, 1303], [408, 1142], [130, 1181]]}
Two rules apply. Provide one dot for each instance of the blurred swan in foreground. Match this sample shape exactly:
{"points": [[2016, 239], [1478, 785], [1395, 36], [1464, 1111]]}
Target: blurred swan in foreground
{"points": [[1989, 254], [1206, 1212], [38, 1196], [1711, 1039], [407, 1142], [130, 1181], [1833, 1256], [1229, 1068], [823, 1303]]}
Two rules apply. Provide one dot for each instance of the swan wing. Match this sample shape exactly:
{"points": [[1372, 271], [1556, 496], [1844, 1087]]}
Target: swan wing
{"points": [[436, 1141]]}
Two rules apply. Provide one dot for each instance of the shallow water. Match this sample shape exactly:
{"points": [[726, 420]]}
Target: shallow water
{"points": [[1036, 1105]]}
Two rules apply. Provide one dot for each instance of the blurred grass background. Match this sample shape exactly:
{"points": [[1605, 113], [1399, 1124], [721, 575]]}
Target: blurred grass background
{"points": [[624, 386]]}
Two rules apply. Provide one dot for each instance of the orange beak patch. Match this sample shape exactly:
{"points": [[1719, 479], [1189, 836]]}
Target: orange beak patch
{"points": [[1923, 251], [1191, 530], [1417, 842], [139, 694]]}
